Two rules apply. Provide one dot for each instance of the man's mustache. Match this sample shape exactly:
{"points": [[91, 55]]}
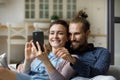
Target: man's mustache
{"points": [[74, 41]]}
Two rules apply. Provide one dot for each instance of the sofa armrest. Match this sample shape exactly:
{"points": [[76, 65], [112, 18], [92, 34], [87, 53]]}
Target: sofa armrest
{"points": [[12, 67], [114, 71]]}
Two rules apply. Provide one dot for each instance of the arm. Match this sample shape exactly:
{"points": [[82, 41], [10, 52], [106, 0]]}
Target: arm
{"points": [[52, 71], [102, 64], [30, 55], [99, 66], [64, 72]]}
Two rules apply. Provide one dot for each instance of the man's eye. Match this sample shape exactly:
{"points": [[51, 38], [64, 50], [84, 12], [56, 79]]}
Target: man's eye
{"points": [[61, 33], [51, 33]]}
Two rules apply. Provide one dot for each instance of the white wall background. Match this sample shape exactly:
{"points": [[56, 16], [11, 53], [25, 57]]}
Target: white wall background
{"points": [[97, 11], [117, 32], [117, 45], [12, 11]]}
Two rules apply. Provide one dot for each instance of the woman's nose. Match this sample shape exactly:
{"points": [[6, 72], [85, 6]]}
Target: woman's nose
{"points": [[55, 35]]}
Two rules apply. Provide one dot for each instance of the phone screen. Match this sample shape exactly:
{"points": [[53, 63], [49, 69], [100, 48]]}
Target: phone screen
{"points": [[38, 36]]}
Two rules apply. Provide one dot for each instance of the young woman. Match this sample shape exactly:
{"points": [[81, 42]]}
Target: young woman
{"points": [[40, 65]]}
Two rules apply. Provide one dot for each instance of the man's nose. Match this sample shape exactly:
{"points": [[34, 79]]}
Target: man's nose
{"points": [[72, 37]]}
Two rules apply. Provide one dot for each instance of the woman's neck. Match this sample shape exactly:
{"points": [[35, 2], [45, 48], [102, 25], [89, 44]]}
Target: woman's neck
{"points": [[54, 50]]}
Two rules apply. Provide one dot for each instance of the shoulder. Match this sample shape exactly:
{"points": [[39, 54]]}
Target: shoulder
{"points": [[101, 51], [91, 47]]}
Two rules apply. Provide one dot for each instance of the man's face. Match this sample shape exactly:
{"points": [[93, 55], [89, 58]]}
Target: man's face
{"points": [[77, 35]]}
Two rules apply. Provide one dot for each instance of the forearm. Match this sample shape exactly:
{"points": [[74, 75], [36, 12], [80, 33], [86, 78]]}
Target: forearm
{"points": [[96, 65], [81, 68], [102, 64], [56, 76], [26, 67], [50, 68], [63, 72], [52, 72], [78, 66]]}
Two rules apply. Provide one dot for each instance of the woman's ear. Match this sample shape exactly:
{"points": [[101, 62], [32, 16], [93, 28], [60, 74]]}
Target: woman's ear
{"points": [[88, 33]]}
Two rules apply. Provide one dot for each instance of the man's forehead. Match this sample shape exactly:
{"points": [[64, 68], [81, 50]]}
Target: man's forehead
{"points": [[75, 28]]}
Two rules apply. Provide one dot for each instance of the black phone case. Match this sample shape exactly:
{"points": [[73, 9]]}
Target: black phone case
{"points": [[38, 36]]}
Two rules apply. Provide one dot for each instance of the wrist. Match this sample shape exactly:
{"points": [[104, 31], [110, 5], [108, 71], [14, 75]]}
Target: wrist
{"points": [[26, 66], [28, 60], [46, 62], [27, 63], [73, 60]]}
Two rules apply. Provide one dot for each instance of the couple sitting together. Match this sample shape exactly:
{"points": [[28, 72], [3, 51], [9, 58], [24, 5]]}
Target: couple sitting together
{"points": [[71, 57]]}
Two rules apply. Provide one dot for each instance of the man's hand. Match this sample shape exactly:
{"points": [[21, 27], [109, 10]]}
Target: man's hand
{"points": [[64, 53]]}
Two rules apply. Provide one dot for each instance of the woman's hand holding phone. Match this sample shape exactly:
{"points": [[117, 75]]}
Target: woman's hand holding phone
{"points": [[38, 36], [38, 40]]}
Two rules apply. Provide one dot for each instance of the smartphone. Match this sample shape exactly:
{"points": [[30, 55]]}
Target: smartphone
{"points": [[38, 36]]}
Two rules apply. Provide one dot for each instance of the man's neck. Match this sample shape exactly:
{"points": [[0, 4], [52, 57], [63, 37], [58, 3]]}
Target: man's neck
{"points": [[82, 47]]}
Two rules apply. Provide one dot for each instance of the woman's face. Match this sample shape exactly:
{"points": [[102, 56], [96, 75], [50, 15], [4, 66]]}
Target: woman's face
{"points": [[57, 36]]}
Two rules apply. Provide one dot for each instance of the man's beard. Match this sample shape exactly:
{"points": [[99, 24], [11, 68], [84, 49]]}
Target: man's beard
{"points": [[81, 47], [73, 44]]}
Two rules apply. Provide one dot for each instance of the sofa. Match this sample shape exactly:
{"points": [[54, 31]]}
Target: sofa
{"points": [[114, 70]]}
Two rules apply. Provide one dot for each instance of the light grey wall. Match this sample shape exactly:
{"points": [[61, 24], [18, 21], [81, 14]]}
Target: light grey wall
{"points": [[97, 11], [117, 8], [12, 11], [117, 32], [117, 44]]}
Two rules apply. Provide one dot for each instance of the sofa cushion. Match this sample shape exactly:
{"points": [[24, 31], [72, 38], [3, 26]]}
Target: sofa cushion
{"points": [[114, 71], [3, 60]]}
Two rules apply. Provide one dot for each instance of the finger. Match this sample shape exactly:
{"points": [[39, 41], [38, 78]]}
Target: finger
{"points": [[57, 53], [64, 56], [60, 54], [26, 44], [66, 51], [61, 49], [30, 43], [38, 46], [33, 47], [58, 50], [31, 40], [45, 48]]}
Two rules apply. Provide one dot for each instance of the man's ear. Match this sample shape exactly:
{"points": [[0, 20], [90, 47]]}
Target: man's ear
{"points": [[88, 33]]}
